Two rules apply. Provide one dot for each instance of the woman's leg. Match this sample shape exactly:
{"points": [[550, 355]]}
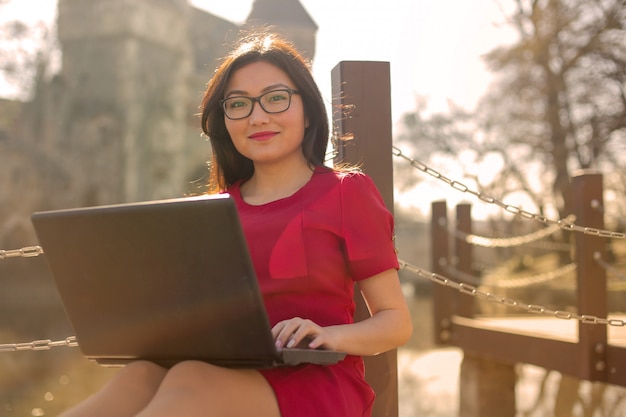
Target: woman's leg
{"points": [[127, 393], [199, 389]]}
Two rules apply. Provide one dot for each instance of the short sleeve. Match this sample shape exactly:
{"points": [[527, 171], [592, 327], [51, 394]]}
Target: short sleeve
{"points": [[367, 227]]}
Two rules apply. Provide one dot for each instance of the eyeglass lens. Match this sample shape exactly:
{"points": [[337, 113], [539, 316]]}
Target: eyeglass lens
{"points": [[275, 101]]}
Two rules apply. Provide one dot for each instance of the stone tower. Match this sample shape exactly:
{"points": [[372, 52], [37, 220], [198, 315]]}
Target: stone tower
{"points": [[132, 78], [126, 64], [290, 19], [117, 124]]}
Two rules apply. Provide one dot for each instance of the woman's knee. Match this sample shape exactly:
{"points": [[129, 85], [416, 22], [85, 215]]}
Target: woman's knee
{"points": [[140, 374], [193, 373], [220, 389], [127, 393], [196, 376]]}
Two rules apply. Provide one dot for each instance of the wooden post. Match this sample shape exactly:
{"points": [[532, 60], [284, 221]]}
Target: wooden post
{"points": [[362, 101], [463, 251], [590, 276], [444, 298], [487, 388]]}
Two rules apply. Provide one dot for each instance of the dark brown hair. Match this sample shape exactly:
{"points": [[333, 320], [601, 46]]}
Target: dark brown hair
{"points": [[227, 164]]}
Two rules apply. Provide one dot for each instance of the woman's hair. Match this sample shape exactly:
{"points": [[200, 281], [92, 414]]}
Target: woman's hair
{"points": [[227, 164]]}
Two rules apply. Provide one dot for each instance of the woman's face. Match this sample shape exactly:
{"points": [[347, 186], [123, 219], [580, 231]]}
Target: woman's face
{"points": [[266, 138]]}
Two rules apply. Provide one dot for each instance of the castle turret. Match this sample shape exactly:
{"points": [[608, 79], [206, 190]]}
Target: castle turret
{"points": [[126, 65], [290, 19]]}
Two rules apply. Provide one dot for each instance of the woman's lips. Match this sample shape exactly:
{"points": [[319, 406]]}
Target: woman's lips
{"points": [[266, 135]]}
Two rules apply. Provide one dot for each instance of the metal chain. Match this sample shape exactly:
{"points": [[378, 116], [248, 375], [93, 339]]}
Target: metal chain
{"points": [[598, 258], [530, 239], [551, 246], [36, 345], [26, 252], [530, 308], [532, 280], [563, 223], [32, 251], [71, 341], [508, 242], [503, 282], [460, 275], [39, 345]]}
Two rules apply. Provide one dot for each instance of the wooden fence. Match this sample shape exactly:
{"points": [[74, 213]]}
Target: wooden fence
{"points": [[580, 348], [492, 346]]}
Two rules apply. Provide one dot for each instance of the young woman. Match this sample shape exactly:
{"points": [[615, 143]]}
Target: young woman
{"points": [[312, 232]]}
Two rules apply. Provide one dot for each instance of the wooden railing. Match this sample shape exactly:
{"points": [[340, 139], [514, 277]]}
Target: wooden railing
{"points": [[492, 346]]}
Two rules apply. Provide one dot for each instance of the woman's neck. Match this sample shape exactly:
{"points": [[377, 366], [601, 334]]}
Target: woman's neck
{"points": [[271, 183]]}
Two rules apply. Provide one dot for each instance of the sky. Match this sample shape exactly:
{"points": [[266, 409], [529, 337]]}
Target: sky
{"points": [[434, 47]]}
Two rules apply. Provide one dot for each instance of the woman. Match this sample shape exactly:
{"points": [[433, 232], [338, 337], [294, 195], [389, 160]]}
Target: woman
{"points": [[312, 232]]}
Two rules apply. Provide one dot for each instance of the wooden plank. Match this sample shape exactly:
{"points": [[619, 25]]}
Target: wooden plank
{"points": [[548, 342], [474, 337], [487, 387], [539, 327]]}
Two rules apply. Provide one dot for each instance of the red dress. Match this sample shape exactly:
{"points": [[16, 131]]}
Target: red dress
{"points": [[307, 250]]}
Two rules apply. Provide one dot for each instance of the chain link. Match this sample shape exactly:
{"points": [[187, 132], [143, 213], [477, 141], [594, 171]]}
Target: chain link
{"points": [[563, 223], [26, 252], [504, 282], [508, 242], [37, 345], [532, 280], [464, 288], [530, 308], [566, 224], [598, 258]]}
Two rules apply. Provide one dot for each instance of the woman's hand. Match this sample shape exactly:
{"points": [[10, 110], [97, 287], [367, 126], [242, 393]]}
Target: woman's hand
{"points": [[298, 332], [388, 327]]}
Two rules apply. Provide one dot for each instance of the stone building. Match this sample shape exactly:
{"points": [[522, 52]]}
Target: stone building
{"points": [[118, 123]]}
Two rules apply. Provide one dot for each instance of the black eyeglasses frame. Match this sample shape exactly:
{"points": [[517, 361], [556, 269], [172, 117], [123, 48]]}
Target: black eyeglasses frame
{"points": [[257, 99]]}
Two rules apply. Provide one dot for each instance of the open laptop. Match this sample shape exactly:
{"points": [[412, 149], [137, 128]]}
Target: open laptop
{"points": [[163, 281]]}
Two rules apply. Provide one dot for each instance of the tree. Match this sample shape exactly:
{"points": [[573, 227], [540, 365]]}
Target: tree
{"points": [[26, 52], [561, 96], [558, 105]]}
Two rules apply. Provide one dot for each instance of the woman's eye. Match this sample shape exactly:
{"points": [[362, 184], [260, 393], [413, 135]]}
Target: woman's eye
{"points": [[236, 104], [276, 97]]}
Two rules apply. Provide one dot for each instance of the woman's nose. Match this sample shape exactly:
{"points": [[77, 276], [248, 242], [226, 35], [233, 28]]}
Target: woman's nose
{"points": [[258, 115]]}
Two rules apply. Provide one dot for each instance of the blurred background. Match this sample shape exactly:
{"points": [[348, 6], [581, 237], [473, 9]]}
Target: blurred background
{"points": [[98, 103]]}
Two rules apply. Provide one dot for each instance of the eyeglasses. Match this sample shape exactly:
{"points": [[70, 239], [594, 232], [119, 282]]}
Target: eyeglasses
{"points": [[275, 101]]}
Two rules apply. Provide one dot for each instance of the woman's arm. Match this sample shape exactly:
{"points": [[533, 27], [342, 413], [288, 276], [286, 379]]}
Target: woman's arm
{"points": [[388, 327]]}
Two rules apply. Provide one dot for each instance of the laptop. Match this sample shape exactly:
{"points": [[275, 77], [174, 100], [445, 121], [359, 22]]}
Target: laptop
{"points": [[163, 281]]}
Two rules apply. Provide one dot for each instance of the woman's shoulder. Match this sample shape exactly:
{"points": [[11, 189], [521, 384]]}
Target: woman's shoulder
{"points": [[351, 181], [341, 173]]}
